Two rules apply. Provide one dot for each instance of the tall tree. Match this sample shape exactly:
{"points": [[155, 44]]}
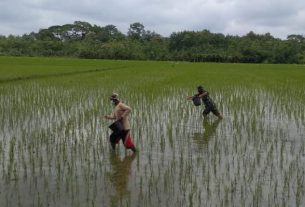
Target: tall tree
{"points": [[136, 31]]}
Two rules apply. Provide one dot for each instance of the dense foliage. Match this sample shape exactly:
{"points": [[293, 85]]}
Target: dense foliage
{"points": [[83, 40]]}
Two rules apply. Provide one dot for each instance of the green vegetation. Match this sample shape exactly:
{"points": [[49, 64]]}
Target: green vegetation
{"points": [[54, 148], [29, 68], [83, 40]]}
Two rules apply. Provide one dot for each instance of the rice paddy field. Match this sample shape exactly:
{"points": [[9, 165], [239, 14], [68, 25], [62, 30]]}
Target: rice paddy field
{"points": [[54, 141]]}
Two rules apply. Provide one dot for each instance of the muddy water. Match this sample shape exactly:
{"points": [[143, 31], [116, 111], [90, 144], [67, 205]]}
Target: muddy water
{"points": [[55, 150]]}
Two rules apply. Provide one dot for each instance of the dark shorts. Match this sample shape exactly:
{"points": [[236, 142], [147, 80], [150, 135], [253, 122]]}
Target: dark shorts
{"points": [[211, 108], [115, 137]]}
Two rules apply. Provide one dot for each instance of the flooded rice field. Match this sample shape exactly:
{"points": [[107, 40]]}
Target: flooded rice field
{"points": [[54, 148]]}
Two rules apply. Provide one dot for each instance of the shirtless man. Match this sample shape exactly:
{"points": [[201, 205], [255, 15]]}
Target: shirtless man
{"points": [[120, 114]]}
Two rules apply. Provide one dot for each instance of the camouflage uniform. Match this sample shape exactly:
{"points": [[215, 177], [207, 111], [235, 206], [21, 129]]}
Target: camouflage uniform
{"points": [[209, 104]]}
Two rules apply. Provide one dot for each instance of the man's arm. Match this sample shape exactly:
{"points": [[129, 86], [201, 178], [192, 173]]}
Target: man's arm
{"points": [[110, 117], [203, 94]]}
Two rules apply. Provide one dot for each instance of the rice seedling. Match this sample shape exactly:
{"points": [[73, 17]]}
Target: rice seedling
{"points": [[54, 147]]}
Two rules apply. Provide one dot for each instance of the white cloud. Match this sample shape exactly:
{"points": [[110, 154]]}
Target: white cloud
{"points": [[236, 17]]}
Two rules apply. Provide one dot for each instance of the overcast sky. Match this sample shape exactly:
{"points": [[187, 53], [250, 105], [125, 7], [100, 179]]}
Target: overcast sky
{"points": [[233, 17]]}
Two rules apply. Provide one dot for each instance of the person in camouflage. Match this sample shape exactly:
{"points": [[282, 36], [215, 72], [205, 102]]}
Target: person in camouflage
{"points": [[209, 104]]}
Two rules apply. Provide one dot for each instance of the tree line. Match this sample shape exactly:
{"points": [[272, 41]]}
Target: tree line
{"points": [[83, 40]]}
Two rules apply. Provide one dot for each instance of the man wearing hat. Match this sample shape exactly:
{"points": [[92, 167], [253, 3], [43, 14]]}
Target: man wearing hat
{"points": [[120, 116]]}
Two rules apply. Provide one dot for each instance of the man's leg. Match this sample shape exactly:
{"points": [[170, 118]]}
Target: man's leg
{"points": [[114, 138], [206, 111], [216, 112], [127, 140]]}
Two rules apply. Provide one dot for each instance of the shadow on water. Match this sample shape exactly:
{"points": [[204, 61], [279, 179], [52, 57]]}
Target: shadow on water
{"points": [[209, 129], [121, 169]]}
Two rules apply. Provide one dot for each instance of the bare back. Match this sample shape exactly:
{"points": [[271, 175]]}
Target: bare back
{"points": [[121, 111]]}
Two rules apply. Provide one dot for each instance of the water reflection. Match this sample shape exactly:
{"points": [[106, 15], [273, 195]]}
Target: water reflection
{"points": [[121, 169], [255, 156], [202, 138]]}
